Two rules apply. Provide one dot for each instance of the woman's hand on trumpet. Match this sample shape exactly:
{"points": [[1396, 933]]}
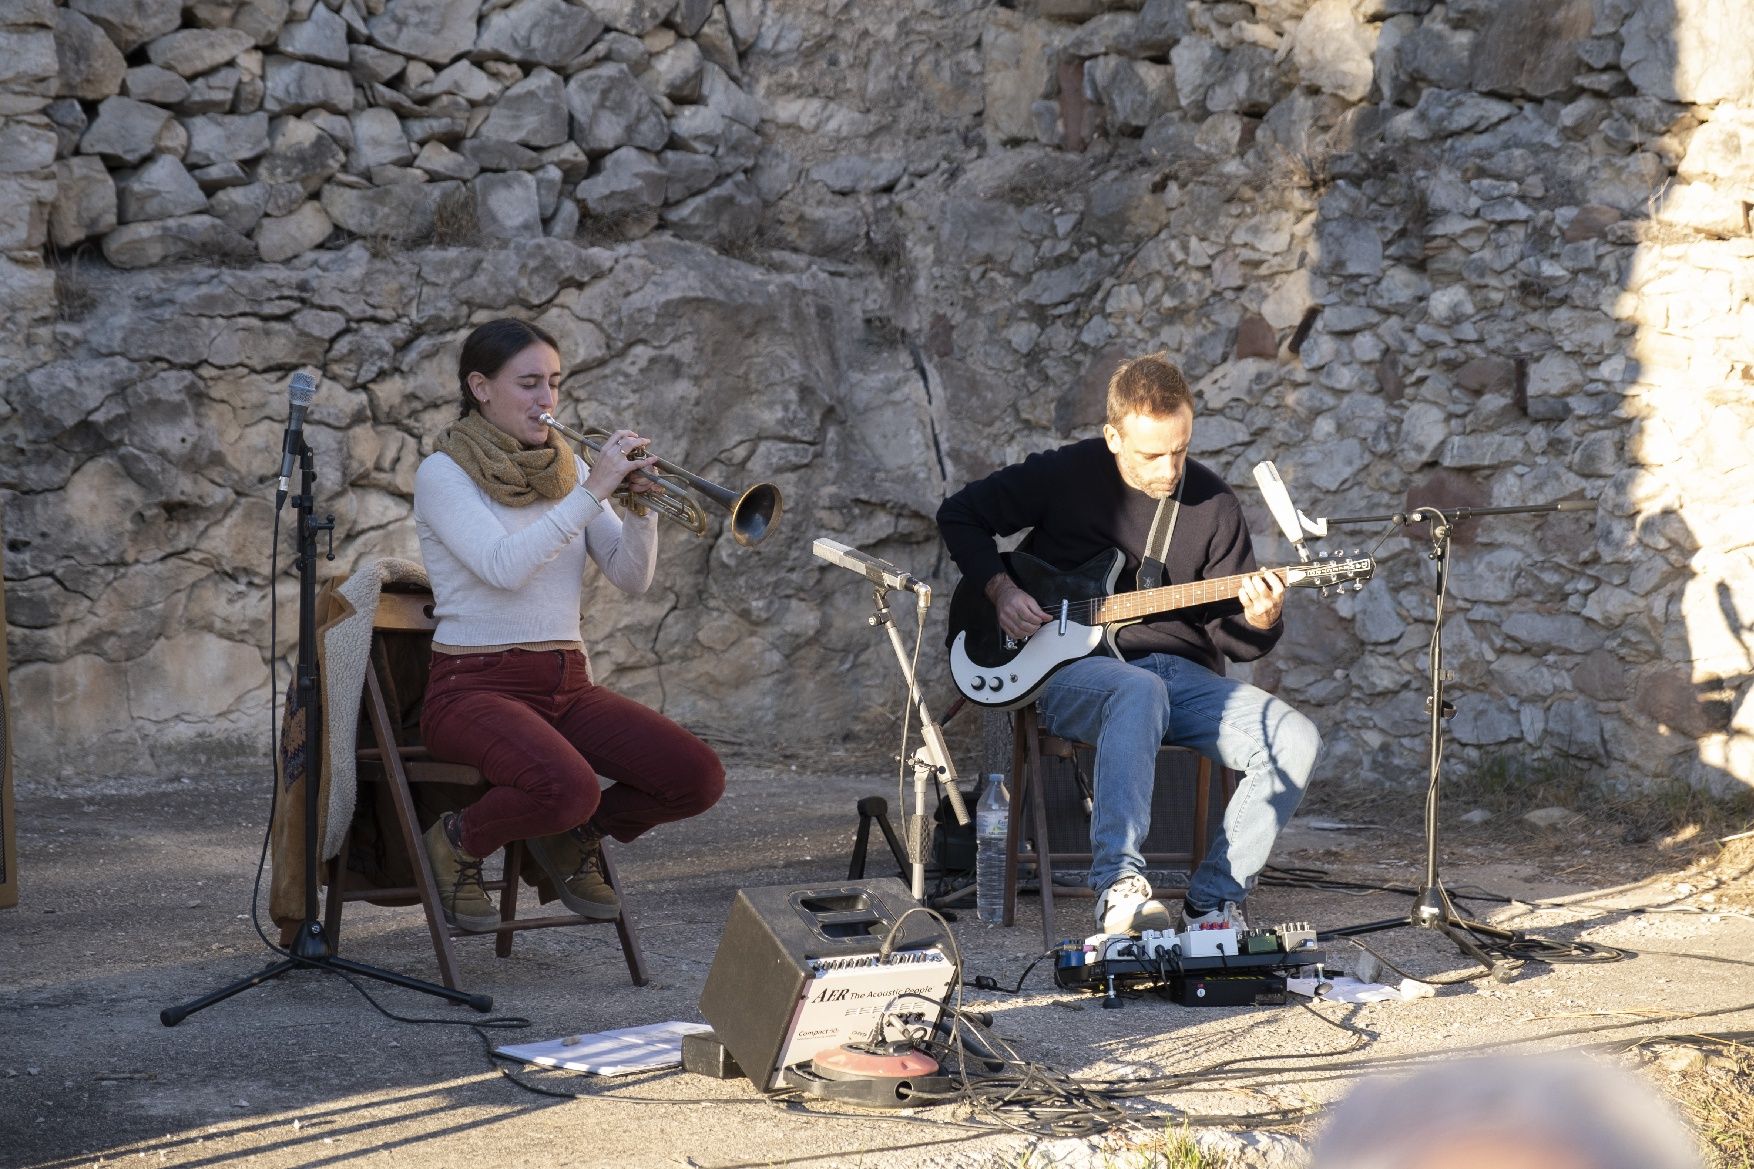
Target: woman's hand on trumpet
{"points": [[615, 466]]}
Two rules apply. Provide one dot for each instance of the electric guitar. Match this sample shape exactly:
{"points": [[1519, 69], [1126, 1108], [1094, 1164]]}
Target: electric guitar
{"points": [[993, 670]]}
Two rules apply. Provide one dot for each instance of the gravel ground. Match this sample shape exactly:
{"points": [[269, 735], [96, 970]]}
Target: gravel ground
{"points": [[138, 898]]}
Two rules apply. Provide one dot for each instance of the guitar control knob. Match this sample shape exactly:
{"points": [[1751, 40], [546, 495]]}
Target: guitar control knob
{"points": [[979, 683], [1014, 677], [997, 683]]}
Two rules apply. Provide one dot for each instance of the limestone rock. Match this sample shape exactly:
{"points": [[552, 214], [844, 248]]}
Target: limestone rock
{"points": [[1550, 817], [283, 237], [292, 86], [69, 120], [727, 97], [193, 51], [161, 241], [438, 31], [300, 159], [539, 32], [1133, 94], [1350, 247], [466, 81], [532, 112], [215, 138], [1531, 50], [507, 205], [372, 64], [634, 17], [131, 23], [730, 210], [678, 71], [1248, 84], [320, 37], [150, 83], [214, 93], [441, 162], [1691, 50], [690, 15], [27, 145], [716, 42], [1016, 71], [91, 67], [85, 201], [1722, 152], [403, 212], [240, 208], [1334, 50], [610, 109], [162, 189], [628, 179], [262, 19], [377, 141], [125, 131], [686, 174], [497, 154]]}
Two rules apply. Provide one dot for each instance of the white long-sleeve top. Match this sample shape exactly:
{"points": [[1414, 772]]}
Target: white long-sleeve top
{"points": [[510, 575]]}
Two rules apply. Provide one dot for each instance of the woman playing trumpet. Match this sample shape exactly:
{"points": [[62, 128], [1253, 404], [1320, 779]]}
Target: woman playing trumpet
{"points": [[508, 518]]}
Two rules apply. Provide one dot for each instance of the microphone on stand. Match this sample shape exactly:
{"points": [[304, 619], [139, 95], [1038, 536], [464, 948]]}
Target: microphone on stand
{"points": [[871, 568], [1291, 521], [301, 391]]}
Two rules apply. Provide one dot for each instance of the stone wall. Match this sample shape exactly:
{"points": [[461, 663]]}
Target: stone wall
{"points": [[1478, 253]]}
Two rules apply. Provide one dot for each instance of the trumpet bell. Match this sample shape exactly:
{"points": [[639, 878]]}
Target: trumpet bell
{"points": [[754, 513]]}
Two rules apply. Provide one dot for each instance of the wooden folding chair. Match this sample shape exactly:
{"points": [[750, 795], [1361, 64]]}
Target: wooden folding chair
{"points": [[1050, 821], [390, 753]]}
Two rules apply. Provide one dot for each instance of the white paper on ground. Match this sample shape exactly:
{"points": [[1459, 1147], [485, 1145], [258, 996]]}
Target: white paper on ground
{"points": [[610, 1053], [1349, 990]]}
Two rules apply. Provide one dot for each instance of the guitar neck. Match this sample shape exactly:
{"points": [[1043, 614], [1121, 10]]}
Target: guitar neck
{"points": [[1132, 606]]}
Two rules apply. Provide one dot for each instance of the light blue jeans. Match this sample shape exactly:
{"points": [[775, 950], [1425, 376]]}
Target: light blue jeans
{"points": [[1126, 709]]}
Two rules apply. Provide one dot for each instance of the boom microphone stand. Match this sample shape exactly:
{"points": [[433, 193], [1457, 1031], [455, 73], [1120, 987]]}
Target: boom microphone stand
{"points": [[311, 948], [1432, 908]]}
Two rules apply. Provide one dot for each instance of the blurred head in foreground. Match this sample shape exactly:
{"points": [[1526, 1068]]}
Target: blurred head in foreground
{"points": [[1507, 1112]]}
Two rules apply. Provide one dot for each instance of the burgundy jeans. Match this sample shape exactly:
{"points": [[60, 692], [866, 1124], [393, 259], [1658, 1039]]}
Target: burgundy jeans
{"points": [[538, 729]]}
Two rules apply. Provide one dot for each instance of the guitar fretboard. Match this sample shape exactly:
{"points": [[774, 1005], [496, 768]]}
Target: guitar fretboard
{"points": [[1131, 606]]}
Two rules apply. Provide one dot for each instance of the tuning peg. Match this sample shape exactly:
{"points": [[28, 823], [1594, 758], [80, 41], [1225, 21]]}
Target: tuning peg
{"points": [[1358, 586], [1324, 590]]}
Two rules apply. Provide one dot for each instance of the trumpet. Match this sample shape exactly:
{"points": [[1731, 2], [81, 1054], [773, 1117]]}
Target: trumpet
{"points": [[754, 511]]}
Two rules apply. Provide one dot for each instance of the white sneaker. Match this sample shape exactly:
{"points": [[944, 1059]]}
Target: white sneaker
{"points": [[1127, 907], [1225, 917]]}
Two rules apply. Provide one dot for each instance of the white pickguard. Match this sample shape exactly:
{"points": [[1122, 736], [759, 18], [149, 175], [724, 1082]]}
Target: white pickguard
{"points": [[1011, 685]]}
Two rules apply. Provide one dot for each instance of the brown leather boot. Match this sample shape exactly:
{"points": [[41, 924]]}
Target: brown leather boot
{"points": [[574, 860]]}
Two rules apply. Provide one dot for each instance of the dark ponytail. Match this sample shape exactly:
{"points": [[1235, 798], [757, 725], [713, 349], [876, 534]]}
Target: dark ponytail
{"points": [[490, 346]]}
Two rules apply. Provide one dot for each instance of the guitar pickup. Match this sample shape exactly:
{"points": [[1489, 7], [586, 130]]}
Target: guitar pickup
{"points": [[1065, 606]]}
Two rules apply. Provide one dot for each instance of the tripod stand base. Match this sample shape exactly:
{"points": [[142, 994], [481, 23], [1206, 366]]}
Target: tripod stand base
{"points": [[1432, 910], [311, 952]]}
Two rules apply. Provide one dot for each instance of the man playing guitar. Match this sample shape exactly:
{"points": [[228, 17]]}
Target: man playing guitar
{"points": [[1174, 521]]}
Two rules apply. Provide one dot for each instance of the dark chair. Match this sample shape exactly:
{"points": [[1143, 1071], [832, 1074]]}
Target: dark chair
{"points": [[1049, 823], [391, 758]]}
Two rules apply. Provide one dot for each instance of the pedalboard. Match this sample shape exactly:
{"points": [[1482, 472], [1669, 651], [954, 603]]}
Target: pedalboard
{"points": [[1196, 968]]}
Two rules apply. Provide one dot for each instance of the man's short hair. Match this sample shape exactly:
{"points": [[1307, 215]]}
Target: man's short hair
{"points": [[1151, 386]]}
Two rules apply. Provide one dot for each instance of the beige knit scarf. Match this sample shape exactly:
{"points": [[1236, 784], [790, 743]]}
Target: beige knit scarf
{"points": [[510, 473]]}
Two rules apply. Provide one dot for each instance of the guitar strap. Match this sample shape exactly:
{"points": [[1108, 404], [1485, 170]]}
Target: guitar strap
{"points": [[1157, 543]]}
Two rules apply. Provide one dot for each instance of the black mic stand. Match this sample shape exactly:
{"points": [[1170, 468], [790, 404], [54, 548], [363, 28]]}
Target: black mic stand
{"points": [[1432, 908], [311, 948]]}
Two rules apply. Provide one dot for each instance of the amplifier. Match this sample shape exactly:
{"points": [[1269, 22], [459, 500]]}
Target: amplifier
{"points": [[797, 972]]}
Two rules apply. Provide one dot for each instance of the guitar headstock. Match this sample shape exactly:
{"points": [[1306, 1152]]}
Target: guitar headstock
{"points": [[1334, 570]]}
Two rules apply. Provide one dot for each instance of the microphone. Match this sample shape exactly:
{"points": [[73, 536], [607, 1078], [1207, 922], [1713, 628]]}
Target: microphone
{"points": [[1290, 520], [872, 569], [302, 390]]}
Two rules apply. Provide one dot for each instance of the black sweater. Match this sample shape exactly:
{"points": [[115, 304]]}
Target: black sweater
{"points": [[1078, 507]]}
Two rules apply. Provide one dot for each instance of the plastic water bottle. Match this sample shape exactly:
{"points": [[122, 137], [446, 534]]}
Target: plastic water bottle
{"points": [[990, 818]]}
